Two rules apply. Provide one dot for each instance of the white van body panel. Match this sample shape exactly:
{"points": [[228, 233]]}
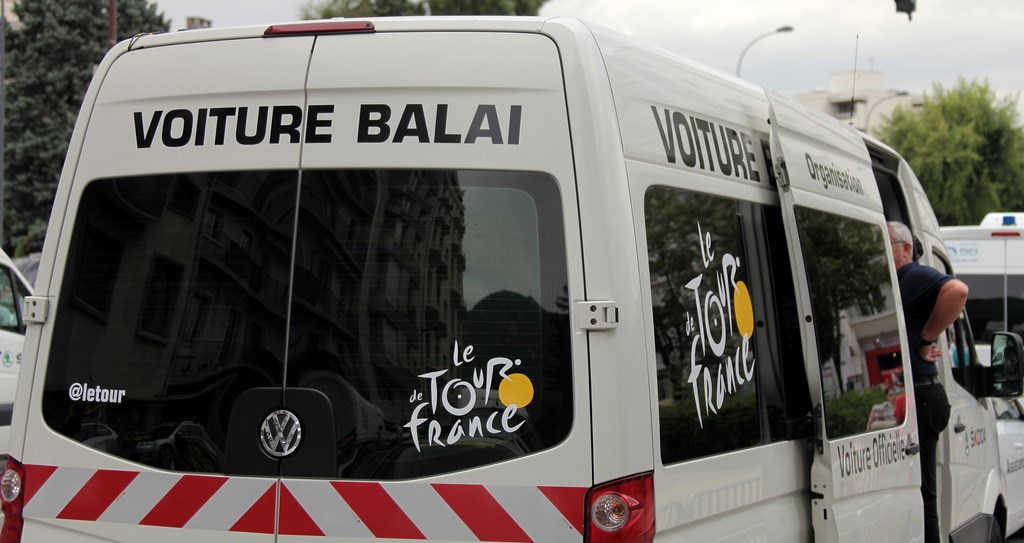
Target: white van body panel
{"points": [[721, 500], [827, 167], [1010, 425], [449, 63], [109, 135], [622, 427]]}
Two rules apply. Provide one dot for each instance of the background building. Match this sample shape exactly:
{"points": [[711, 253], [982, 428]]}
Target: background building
{"points": [[859, 98]]}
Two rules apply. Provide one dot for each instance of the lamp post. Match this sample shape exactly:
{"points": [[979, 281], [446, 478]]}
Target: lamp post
{"points": [[781, 29], [867, 116]]}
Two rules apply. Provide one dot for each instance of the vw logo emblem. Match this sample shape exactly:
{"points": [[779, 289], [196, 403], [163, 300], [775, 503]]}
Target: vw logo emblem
{"points": [[280, 433]]}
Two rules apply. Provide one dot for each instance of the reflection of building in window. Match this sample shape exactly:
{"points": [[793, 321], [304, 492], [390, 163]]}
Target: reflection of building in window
{"points": [[878, 361], [372, 274], [96, 273], [377, 294], [227, 346], [161, 297], [211, 225], [123, 226], [184, 197]]}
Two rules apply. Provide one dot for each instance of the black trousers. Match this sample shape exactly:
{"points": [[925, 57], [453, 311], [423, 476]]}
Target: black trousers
{"points": [[932, 419]]}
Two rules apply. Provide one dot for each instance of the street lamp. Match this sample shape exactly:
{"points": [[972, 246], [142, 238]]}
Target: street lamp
{"points": [[779, 30], [867, 116]]}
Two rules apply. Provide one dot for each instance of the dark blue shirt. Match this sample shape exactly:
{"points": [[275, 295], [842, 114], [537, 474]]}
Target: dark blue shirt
{"points": [[919, 288]]}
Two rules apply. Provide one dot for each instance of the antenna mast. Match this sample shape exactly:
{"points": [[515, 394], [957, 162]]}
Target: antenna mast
{"points": [[853, 88]]}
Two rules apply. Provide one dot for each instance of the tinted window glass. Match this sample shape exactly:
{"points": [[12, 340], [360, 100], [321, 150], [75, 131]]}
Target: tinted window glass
{"points": [[431, 308], [989, 309], [703, 324], [985, 305], [9, 300], [855, 320], [159, 326]]}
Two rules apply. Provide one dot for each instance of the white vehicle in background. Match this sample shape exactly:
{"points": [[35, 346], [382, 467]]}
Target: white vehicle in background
{"points": [[989, 259], [1009, 415], [13, 289]]}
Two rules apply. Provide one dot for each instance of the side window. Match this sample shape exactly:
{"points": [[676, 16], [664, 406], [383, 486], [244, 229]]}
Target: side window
{"points": [[9, 296], [962, 353], [995, 304], [855, 320], [961, 349], [704, 323]]}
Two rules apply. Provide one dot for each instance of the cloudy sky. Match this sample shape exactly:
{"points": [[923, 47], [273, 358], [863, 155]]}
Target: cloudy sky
{"points": [[981, 39]]}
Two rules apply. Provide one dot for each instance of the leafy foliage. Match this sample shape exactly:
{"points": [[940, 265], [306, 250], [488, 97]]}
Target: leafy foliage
{"points": [[50, 60], [485, 7], [683, 438], [837, 247], [967, 148], [848, 414], [324, 9]]}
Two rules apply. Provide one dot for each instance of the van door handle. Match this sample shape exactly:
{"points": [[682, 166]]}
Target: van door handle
{"points": [[912, 448], [959, 427]]}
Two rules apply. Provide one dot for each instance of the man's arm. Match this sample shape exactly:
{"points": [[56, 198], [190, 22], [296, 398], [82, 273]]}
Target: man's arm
{"points": [[948, 306]]}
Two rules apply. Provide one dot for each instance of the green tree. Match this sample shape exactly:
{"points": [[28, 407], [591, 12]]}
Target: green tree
{"points": [[485, 7], [967, 148], [50, 60], [324, 9]]}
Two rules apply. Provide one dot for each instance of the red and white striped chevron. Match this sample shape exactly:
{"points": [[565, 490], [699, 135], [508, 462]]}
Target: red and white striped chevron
{"points": [[363, 509]]}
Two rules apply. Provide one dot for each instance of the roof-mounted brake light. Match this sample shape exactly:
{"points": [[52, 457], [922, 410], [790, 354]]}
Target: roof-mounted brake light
{"points": [[320, 27], [998, 234]]}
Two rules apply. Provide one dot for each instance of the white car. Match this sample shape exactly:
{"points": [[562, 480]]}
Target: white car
{"points": [[13, 289], [1010, 427]]}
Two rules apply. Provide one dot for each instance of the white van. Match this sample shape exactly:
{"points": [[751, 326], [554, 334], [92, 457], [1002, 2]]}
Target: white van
{"points": [[1009, 415], [13, 290], [990, 258], [469, 279]]}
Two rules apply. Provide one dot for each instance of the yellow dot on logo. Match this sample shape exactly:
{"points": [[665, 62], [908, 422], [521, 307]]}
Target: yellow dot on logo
{"points": [[517, 389], [744, 309]]}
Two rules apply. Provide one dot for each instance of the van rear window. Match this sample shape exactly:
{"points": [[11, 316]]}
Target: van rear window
{"points": [[430, 308]]}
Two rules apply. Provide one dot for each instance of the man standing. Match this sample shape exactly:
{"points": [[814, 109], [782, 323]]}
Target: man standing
{"points": [[931, 302]]}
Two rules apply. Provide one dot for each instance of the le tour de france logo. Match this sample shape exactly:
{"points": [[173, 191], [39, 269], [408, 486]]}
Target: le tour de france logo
{"points": [[723, 308], [467, 405]]}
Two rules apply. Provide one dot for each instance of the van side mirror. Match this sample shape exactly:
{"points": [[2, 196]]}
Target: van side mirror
{"points": [[1007, 371]]}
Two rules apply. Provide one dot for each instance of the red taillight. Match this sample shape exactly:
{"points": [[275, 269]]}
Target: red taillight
{"points": [[1006, 234], [12, 498], [621, 511], [320, 27]]}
